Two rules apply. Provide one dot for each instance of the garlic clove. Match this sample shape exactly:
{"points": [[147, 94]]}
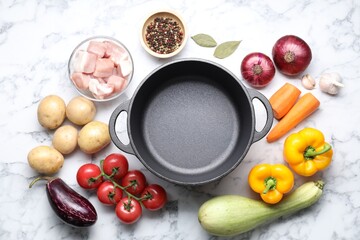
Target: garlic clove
{"points": [[308, 82], [330, 83]]}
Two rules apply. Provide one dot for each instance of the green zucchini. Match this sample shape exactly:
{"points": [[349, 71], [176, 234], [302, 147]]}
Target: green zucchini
{"points": [[230, 215]]}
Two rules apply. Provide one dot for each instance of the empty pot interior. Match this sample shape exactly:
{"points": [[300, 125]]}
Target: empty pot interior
{"points": [[191, 122]]}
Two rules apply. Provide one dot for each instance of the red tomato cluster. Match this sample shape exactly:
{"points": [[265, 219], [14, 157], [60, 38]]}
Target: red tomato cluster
{"points": [[117, 186]]}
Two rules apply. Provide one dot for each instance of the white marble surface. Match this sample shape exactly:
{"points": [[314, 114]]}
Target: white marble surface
{"points": [[36, 39]]}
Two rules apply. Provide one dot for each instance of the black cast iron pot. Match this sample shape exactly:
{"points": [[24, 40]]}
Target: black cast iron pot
{"points": [[191, 121]]}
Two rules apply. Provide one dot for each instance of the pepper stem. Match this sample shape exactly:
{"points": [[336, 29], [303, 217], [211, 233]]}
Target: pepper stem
{"points": [[270, 184], [310, 152]]}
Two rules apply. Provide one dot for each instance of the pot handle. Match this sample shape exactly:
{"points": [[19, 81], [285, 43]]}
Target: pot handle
{"points": [[269, 118], [124, 106]]}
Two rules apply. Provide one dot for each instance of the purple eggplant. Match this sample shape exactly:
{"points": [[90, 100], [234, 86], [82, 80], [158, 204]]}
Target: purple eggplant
{"points": [[69, 205]]}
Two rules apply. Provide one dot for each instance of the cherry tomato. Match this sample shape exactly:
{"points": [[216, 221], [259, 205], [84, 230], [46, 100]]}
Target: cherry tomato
{"points": [[116, 163], [154, 197], [88, 176], [135, 182], [108, 194], [128, 210]]}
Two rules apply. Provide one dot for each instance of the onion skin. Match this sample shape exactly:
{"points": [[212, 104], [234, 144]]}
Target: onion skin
{"points": [[291, 55], [257, 69]]}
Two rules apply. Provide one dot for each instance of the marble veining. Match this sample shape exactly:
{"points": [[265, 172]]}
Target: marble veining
{"points": [[36, 40]]}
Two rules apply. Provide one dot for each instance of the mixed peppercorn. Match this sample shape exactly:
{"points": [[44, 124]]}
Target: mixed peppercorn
{"points": [[164, 35]]}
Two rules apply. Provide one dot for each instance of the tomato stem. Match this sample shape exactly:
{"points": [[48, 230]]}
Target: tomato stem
{"points": [[147, 196], [116, 185]]}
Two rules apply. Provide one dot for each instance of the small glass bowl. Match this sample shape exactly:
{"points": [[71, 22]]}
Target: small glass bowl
{"points": [[76, 68], [163, 14]]}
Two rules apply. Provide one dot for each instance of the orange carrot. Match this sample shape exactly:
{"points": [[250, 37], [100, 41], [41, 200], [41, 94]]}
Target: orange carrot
{"points": [[284, 99], [304, 107]]}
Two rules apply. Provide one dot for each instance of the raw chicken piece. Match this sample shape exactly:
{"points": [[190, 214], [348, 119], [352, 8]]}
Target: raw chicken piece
{"points": [[116, 81], [124, 85], [104, 68], [100, 90], [115, 52], [81, 80], [84, 62], [102, 80], [125, 66], [97, 48]]}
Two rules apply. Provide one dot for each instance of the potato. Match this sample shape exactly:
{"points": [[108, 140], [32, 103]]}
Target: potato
{"points": [[45, 160], [51, 111], [93, 137], [80, 110], [65, 139]]}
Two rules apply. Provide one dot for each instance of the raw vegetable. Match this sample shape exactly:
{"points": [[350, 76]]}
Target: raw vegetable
{"points": [[128, 210], [154, 197], [306, 151], [284, 99], [291, 55], [330, 83], [89, 176], [80, 110], [110, 187], [271, 181], [51, 112], [116, 166], [308, 82], [108, 194], [230, 215], [65, 139], [93, 137], [45, 160], [306, 105], [134, 181], [257, 69], [68, 205]]}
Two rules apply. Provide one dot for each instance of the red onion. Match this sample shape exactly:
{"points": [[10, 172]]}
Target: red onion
{"points": [[257, 69], [291, 55]]}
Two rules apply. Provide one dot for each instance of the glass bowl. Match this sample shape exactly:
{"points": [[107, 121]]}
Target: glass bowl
{"points": [[100, 68]]}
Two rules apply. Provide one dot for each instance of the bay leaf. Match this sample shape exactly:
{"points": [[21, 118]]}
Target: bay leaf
{"points": [[204, 40], [226, 49]]}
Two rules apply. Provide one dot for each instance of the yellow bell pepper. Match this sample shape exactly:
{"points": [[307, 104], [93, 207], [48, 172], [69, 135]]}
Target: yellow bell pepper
{"points": [[306, 152], [271, 181]]}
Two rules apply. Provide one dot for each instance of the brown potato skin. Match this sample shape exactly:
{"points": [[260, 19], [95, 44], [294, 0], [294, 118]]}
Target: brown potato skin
{"points": [[45, 160], [80, 110], [51, 112], [65, 139], [93, 137]]}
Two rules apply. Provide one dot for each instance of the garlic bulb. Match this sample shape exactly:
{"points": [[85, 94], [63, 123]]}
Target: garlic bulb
{"points": [[330, 83], [308, 82]]}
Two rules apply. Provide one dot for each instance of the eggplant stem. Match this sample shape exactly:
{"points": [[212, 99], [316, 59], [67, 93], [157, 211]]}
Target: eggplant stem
{"points": [[39, 178]]}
